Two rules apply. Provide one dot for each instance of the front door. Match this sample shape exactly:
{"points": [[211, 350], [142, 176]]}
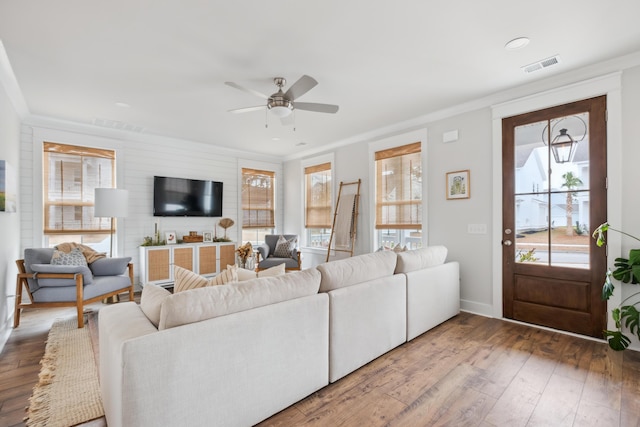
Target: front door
{"points": [[554, 196]]}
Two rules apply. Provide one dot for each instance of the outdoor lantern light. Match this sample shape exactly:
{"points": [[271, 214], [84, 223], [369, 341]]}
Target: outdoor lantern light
{"points": [[563, 145]]}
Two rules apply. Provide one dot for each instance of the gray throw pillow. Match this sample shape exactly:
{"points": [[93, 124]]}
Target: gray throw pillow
{"points": [[284, 247], [75, 257]]}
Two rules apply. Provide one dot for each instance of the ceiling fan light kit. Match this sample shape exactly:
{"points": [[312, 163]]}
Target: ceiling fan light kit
{"points": [[282, 104]]}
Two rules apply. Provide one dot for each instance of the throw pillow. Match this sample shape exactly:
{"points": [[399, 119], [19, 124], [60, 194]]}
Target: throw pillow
{"points": [[284, 247], [151, 301], [75, 257], [185, 279], [228, 275], [244, 274], [277, 270]]}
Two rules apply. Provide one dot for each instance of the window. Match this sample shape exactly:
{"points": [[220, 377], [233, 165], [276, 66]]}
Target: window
{"points": [[318, 218], [71, 174], [399, 196], [258, 204]]}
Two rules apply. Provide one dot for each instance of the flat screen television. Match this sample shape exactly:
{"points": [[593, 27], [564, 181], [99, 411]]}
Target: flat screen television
{"points": [[186, 197]]}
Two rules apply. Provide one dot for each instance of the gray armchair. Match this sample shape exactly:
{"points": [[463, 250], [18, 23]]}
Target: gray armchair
{"points": [[267, 256], [49, 285]]}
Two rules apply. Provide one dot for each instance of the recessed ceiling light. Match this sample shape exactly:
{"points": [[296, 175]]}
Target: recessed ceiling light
{"points": [[301, 143], [123, 105], [517, 43], [275, 138]]}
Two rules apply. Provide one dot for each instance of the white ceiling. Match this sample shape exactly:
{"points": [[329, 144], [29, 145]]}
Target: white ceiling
{"points": [[382, 62]]}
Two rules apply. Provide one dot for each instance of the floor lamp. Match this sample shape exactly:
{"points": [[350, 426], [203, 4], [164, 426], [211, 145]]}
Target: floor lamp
{"points": [[112, 203]]}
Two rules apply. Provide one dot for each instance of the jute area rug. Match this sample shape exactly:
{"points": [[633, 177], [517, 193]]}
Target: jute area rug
{"points": [[68, 391]]}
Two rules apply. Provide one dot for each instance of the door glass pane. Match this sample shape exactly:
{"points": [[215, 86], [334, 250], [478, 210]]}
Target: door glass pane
{"points": [[570, 245], [552, 192], [532, 236]]}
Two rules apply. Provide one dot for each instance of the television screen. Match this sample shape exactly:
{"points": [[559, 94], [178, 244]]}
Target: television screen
{"points": [[186, 197]]}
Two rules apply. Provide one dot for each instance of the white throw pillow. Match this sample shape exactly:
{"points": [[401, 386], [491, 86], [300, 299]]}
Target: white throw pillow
{"points": [[151, 302], [277, 270], [244, 274], [284, 247]]}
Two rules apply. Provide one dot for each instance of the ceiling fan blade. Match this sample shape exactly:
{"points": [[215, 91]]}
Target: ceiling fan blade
{"points": [[248, 109], [244, 89], [299, 88], [319, 108]]}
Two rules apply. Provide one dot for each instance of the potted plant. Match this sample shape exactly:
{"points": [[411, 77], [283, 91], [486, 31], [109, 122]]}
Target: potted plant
{"points": [[627, 270]]}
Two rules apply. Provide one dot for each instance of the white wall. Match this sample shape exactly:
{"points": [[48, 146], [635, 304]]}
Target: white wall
{"points": [[9, 222], [480, 254], [137, 162]]}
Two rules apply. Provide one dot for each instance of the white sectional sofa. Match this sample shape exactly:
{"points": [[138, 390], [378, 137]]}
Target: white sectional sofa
{"points": [[235, 354]]}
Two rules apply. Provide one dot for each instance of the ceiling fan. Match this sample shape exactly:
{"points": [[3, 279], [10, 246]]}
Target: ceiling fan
{"points": [[283, 103]]}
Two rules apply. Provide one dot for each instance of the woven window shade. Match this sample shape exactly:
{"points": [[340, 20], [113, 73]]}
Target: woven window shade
{"points": [[318, 196], [71, 174], [258, 208], [399, 188]]}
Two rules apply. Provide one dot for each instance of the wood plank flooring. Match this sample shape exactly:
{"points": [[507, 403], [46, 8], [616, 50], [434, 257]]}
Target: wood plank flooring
{"points": [[476, 371], [469, 371]]}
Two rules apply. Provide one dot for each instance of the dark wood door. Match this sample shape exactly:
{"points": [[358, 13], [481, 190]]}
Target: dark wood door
{"points": [[554, 196]]}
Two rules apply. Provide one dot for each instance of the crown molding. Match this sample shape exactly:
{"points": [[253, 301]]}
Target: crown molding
{"points": [[593, 71]]}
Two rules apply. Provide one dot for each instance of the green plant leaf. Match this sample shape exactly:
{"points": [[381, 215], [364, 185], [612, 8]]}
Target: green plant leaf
{"points": [[607, 287], [631, 319], [615, 313], [598, 234], [623, 270], [617, 340]]}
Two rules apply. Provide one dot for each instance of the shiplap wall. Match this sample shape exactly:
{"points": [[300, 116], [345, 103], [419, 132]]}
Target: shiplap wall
{"points": [[137, 162]]}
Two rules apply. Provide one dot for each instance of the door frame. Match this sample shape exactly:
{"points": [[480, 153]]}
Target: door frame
{"points": [[609, 85]]}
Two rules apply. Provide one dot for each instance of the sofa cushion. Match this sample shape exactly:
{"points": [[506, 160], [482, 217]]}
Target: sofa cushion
{"points": [[109, 266], [214, 301], [358, 269], [87, 277], [75, 257], [151, 301], [421, 258], [244, 274]]}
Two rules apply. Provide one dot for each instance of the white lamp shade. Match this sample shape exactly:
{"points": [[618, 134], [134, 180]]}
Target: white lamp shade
{"points": [[111, 202]]}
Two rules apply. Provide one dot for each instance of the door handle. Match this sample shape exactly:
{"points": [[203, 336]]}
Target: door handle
{"points": [[507, 242]]}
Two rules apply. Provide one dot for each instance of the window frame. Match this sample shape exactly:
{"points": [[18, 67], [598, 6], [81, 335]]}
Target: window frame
{"points": [[103, 225], [418, 239]]}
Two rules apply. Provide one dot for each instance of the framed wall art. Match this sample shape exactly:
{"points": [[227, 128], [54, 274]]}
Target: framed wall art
{"points": [[8, 188], [207, 236], [458, 185], [170, 236]]}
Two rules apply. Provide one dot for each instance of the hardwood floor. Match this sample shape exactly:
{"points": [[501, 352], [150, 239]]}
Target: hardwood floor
{"points": [[476, 371], [470, 370]]}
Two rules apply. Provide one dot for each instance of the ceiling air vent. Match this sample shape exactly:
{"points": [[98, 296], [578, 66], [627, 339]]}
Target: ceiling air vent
{"points": [[545, 63], [115, 124]]}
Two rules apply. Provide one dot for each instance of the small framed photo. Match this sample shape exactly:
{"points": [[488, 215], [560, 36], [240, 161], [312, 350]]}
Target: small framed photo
{"points": [[207, 236], [458, 185], [170, 236]]}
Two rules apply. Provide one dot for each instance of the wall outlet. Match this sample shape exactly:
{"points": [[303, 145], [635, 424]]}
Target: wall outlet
{"points": [[477, 228]]}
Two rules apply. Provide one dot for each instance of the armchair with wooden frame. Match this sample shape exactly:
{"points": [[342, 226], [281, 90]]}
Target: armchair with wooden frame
{"points": [[49, 285], [268, 257]]}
